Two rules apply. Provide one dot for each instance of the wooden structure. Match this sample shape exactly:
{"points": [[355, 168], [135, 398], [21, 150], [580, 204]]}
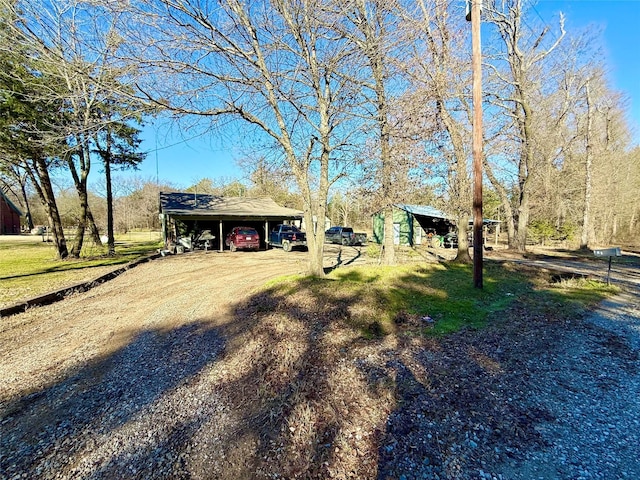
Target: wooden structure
{"points": [[9, 216], [191, 215], [412, 224]]}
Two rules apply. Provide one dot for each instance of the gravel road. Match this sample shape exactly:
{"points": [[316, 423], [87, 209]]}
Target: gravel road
{"points": [[124, 381], [590, 391]]}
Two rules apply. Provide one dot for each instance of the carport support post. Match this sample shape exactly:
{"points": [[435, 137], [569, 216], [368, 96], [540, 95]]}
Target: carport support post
{"points": [[220, 237]]}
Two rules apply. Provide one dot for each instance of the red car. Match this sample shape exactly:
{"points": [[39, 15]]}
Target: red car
{"points": [[243, 238]]}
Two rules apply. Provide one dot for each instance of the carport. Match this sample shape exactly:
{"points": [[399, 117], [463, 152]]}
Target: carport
{"points": [[193, 216]]}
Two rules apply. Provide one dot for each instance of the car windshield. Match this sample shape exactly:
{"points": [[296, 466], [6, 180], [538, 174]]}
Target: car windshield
{"points": [[247, 231]]}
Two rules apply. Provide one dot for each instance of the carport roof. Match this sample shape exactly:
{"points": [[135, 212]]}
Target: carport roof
{"points": [[182, 204]]}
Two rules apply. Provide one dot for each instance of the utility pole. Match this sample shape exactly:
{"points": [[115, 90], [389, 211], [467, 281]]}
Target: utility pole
{"points": [[476, 64]]}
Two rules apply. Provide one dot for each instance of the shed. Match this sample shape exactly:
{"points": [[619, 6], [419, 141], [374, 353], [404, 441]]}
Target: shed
{"points": [[197, 216], [412, 223], [9, 216]]}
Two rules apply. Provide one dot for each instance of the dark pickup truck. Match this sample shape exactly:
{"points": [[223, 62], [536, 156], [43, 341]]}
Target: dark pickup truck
{"points": [[287, 237], [344, 236]]}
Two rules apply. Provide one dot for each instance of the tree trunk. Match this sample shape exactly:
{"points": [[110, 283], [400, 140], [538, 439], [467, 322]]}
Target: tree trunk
{"points": [[463, 239], [27, 205], [315, 244], [93, 228], [388, 243], [86, 217], [80, 182], [523, 222], [461, 183], [111, 243], [78, 241], [317, 208], [524, 112], [48, 199], [586, 212]]}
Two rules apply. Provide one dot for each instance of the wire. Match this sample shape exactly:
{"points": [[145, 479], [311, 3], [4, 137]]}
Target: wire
{"points": [[157, 149], [533, 6]]}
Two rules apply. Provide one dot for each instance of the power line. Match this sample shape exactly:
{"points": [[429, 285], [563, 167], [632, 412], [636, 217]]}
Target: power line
{"points": [[543, 20], [157, 149]]}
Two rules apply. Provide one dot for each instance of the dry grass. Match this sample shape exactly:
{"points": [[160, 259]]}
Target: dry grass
{"points": [[316, 384], [342, 377]]}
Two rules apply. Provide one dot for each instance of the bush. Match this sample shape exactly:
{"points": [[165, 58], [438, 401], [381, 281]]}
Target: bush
{"points": [[373, 250], [541, 231]]}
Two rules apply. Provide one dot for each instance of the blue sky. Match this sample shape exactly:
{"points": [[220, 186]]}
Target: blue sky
{"points": [[182, 161], [619, 21]]}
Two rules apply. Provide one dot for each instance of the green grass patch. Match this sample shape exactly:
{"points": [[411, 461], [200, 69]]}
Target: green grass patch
{"points": [[378, 300], [29, 269], [581, 292]]}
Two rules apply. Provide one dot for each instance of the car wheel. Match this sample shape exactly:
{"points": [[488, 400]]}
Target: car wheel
{"points": [[345, 241], [286, 246], [232, 247]]}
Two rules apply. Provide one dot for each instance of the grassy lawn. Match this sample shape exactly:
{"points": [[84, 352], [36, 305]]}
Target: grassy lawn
{"points": [[436, 299], [29, 267], [433, 298]]}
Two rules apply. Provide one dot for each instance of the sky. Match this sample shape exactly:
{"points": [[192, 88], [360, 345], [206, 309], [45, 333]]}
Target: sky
{"points": [[181, 159]]}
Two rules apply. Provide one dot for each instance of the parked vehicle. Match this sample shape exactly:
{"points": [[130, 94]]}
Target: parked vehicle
{"points": [[204, 240], [245, 238], [450, 240], [360, 238], [287, 237], [344, 236]]}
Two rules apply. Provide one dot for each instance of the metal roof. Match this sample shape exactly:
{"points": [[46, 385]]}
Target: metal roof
{"points": [[428, 211], [199, 205], [424, 210]]}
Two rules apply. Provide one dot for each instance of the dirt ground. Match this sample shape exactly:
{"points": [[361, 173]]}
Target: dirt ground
{"points": [[175, 369], [163, 294]]}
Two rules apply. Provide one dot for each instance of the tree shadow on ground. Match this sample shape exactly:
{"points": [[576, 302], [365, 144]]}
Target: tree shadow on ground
{"points": [[46, 430], [342, 262], [289, 387]]}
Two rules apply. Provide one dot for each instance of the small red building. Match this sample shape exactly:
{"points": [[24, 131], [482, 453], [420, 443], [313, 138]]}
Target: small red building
{"points": [[9, 216]]}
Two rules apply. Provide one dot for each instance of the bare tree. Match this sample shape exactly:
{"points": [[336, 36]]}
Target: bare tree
{"points": [[603, 150], [520, 86], [586, 144], [371, 25], [278, 67], [441, 77], [136, 203], [269, 179]]}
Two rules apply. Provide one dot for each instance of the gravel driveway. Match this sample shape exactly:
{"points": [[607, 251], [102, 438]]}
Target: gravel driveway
{"points": [[590, 391], [124, 381]]}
